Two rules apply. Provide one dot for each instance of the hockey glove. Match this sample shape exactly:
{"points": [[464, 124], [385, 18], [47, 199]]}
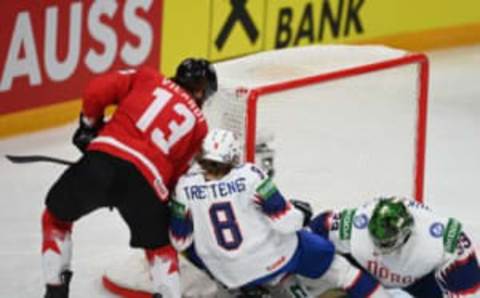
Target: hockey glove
{"points": [[320, 223], [85, 133], [305, 208]]}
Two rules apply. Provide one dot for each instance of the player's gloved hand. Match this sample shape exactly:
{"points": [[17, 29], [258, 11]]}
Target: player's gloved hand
{"points": [[85, 133], [320, 223], [305, 208]]}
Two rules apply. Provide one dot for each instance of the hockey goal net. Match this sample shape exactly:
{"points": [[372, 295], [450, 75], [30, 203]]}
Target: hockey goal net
{"points": [[346, 123]]}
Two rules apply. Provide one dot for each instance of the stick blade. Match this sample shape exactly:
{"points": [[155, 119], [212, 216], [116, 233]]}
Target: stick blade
{"points": [[20, 159], [36, 158]]}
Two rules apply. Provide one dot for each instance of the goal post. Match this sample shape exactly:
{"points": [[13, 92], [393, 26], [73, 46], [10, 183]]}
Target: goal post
{"points": [[420, 59]]}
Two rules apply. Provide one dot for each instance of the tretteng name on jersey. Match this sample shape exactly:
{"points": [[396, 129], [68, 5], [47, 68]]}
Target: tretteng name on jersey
{"points": [[215, 190]]}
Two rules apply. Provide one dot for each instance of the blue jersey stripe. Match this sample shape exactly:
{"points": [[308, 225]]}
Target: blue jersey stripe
{"points": [[275, 206], [462, 276], [363, 286], [181, 228]]}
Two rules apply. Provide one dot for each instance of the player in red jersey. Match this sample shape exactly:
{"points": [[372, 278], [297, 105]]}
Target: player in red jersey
{"points": [[130, 163]]}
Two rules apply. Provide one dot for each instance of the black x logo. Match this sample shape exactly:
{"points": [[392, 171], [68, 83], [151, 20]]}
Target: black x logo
{"points": [[239, 13]]}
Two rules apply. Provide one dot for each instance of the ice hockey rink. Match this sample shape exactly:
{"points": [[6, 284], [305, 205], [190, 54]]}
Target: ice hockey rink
{"points": [[451, 183]]}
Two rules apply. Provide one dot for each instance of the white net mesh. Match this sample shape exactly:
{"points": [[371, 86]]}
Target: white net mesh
{"points": [[284, 65], [227, 110]]}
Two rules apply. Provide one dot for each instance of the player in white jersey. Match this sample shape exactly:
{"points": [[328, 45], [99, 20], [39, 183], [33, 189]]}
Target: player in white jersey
{"points": [[404, 245], [245, 233]]}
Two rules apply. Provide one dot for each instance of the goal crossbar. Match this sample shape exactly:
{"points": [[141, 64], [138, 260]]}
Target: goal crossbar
{"points": [[256, 93]]}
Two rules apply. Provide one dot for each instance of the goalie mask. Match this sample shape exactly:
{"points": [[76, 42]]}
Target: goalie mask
{"points": [[221, 146], [391, 224]]}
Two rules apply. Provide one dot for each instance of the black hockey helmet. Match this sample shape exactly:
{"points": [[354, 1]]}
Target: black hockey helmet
{"points": [[197, 74]]}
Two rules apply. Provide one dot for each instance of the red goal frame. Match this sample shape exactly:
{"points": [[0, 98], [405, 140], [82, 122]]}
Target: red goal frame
{"points": [[255, 94]]}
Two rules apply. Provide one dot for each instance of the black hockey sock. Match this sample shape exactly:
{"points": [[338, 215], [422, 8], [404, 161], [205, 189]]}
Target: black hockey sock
{"points": [[60, 291]]}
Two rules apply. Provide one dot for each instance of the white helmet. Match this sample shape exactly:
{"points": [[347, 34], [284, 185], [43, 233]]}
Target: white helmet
{"points": [[221, 146]]}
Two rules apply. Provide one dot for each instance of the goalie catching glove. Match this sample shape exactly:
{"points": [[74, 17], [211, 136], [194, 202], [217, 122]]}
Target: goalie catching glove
{"points": [[85, 133], [305, 208]]}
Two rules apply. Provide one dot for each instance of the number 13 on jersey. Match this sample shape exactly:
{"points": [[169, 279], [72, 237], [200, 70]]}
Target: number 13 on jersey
{"points": [[177, 129]]}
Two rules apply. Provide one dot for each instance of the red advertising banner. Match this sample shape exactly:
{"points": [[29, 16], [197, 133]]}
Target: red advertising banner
{"points": [[50, 49]]}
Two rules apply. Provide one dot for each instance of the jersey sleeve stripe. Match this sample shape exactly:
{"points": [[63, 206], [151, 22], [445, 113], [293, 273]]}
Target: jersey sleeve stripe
{"points": [[463, 276], [346, 223], [363, 285], [451, 235], [275, 206], [266, 189], [271, 200]]}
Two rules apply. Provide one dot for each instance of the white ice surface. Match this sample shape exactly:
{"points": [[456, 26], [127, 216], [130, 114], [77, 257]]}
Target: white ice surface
{"points": [[451, 186]]}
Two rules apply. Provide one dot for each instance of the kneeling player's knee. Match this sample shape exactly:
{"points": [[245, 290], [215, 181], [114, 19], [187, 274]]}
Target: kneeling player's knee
{"points": [[52, 222], [58, 203], [316, 255]]}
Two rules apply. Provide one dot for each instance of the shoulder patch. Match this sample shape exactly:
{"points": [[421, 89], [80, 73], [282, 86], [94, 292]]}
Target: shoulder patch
{"points": [[346, 222], [451, 235], [437, 229]]}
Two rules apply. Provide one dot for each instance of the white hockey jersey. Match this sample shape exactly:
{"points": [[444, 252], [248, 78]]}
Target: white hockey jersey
{"points": [[241, 226], [436, 245]]}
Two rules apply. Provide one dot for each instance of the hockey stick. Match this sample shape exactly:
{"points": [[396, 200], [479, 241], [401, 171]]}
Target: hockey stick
{"points": [[37, 158]]}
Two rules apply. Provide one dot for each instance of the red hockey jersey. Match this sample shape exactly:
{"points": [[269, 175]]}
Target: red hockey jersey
{"points": [[156, 126]]}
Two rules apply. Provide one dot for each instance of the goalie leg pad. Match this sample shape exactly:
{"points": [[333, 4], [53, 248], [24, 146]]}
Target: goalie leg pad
{"points": [[163, 264], [56, 247]]}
